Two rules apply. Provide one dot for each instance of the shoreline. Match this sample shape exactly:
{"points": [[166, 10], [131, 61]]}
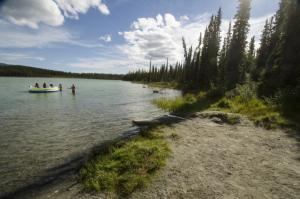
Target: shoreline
{"points": [[212, 159], [64, 177]]}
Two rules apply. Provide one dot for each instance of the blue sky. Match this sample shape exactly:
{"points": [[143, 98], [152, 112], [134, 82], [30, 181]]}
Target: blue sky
{"points": [[110, 36]]}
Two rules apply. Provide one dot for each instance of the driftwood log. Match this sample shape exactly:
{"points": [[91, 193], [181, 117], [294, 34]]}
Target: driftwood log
{"points": [[166, 119]]}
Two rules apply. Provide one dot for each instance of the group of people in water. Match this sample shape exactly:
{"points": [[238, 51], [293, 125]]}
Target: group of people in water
{"points": [[51, 86]]}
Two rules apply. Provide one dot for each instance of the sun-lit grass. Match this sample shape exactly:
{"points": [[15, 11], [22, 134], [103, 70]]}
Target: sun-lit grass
{"points": [[243, 101], [257, 110], [174, 105], [126, 167], [187, 104]]}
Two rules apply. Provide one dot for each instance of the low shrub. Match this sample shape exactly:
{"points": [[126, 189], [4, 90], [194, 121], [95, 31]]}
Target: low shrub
{"points": [[245, 92]]}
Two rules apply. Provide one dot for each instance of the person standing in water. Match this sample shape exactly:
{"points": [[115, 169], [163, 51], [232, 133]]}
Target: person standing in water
{"points": [[60, 87], [73, 89]]}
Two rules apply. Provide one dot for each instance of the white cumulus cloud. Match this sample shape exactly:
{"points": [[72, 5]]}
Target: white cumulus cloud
{"points": [[32, 12], [159, 37], [106, 38], [50, 12], [71, 8]]}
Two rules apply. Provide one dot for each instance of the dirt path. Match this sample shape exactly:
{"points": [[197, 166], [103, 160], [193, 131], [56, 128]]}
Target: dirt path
{"points": [[211, 160], [221, 161]]}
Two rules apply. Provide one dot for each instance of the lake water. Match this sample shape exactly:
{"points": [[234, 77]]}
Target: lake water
{"points": [[41, 131]]}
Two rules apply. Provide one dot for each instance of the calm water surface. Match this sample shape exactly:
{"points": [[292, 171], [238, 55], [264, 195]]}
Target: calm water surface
{"points": [[41, 131]]}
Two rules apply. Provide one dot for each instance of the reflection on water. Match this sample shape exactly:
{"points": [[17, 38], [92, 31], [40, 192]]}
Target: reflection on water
{"points": [[40, 131]]}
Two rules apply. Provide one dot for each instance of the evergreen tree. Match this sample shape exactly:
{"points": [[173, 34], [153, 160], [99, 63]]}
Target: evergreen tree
{"points": [[149, 74], [213, 70], [197, 58], [264, 51], [282, 72], [235, 66], [250, 58], [204, 59], [209, 59], [224, 56]]}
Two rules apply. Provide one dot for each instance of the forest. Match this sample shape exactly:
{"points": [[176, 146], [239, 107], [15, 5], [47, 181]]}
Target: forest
{"points": [[273, 68], [26, 71]]}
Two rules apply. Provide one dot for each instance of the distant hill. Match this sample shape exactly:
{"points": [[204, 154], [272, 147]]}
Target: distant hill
{"points": [[26, 71]]}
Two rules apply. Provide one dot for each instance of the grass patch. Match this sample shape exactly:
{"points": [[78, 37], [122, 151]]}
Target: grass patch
{"points": [[189, 103], [126, 166], [259, 111], [242, 100]]}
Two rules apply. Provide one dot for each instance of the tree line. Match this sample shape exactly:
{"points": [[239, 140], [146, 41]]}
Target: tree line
{"points": [[222, 65], [25, 71]]}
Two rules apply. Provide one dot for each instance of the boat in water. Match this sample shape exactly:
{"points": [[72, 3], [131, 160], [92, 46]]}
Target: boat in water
{"points": [[43, 90]]}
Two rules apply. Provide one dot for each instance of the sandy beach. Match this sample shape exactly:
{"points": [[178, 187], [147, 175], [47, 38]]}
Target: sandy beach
{"points": [[211, 160]]}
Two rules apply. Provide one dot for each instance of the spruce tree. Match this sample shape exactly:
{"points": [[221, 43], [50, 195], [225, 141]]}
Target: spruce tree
{"points": [[197, 59], [210, 52], [204, 59], [262, 52], [235, 66], [283, 61], [213, 70], [250, 58], [224, 56]]}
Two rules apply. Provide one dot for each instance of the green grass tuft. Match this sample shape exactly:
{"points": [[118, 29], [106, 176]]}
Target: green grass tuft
{"points": [[257, 110], [127, 167]]}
